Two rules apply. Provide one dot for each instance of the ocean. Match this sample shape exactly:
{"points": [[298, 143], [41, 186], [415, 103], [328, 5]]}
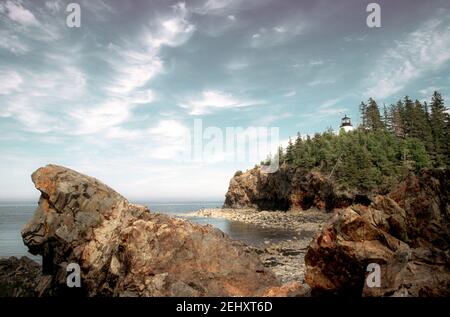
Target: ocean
{"points": [[14, 215]]}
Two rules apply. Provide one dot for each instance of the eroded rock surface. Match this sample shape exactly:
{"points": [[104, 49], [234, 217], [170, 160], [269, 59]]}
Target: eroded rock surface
{"points": [[407, 234], [289, 188], [20, 278], [125, 250]]}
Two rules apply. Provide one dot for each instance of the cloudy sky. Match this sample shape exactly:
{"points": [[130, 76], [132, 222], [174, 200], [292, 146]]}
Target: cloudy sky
{"points": [[114, 97]]}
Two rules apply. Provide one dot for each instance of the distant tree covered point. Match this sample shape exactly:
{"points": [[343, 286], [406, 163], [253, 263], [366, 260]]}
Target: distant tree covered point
{"points": [[408, 136]]}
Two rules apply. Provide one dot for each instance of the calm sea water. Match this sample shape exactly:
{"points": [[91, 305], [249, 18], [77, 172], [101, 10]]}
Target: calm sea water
{"points": [[14, 215]]}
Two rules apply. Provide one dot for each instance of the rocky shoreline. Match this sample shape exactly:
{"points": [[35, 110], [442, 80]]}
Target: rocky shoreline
{"points": [[284, 258], [123, 249]]}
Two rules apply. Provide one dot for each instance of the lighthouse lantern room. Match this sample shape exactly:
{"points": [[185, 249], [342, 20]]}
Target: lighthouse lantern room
{"points": [[346, 124]]}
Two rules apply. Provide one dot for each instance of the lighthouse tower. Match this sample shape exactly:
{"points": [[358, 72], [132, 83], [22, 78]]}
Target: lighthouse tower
{"points": [[346, 124]]}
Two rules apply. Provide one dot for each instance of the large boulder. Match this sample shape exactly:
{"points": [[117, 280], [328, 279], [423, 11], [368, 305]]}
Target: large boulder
{"points": [[125, 250], [406, 234], [289, 188]]}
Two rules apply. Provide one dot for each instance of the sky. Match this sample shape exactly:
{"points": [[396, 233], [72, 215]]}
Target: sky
{"points": [[116, 97]]}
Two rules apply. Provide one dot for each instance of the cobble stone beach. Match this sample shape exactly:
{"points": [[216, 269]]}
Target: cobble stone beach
{"points": [[285, 258]]}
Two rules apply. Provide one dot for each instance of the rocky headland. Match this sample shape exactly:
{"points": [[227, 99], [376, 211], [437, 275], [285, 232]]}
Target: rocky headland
{"points": [[289, 188], [406, 232], [125, 250]]}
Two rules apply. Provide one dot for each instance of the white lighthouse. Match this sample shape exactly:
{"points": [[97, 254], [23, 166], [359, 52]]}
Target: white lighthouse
{"points": [[346, 124]]}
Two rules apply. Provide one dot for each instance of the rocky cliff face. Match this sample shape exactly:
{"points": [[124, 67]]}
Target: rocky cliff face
{"points": [[407, 234], [288, 188], [125, 250]]}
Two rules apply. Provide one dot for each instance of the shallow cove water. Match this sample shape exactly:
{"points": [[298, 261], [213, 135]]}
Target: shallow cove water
{"points": [[14, 215]]}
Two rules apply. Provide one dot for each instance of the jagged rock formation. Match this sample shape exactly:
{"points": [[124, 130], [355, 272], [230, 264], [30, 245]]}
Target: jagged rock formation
{"points": [[407, 234], [125, 250], [20, 278], [288, 188]]}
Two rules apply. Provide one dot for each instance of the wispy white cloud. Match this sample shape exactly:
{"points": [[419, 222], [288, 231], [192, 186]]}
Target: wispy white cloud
{"points": [[10, 81], [279, 29], [54, 6], [212, 99], [324, 81], [316, 62], [31, 117], [329, 103], [237, 64], [170, 138], [17, 13], [174, 30], [327, 108], [133, 70], [278, 34], [37, 99], [23, 20], [92, 120], [429, 90], [215, 6], [358, 38], [290, 93], [312, 63], [12, 43], [32, 94], [68, 81], [99, 8], [226, 7], [268, 119], [140, 63], [89, 105], [423, 50]]}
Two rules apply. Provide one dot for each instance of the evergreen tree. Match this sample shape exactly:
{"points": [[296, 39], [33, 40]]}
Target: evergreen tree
{"points": [[415, 155], [281, 155], [298, 150], [439, 120], [397, 121], [372, 116], [363, 111], [408, 137], [290, 152], [386, 118], [407, 117]]}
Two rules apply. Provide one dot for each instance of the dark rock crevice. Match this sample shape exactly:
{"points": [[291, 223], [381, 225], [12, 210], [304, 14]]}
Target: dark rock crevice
{"points": [[287, 189], [407, 233]]}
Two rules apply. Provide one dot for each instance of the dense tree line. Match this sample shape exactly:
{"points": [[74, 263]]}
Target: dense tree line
{"points": [[406, 136]]}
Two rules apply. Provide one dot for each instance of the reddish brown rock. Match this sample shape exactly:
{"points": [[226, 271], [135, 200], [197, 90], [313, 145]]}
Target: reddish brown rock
{"points": [[289, 188], [407, 235], [125, 250], [425, 199], [292, 289]]}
